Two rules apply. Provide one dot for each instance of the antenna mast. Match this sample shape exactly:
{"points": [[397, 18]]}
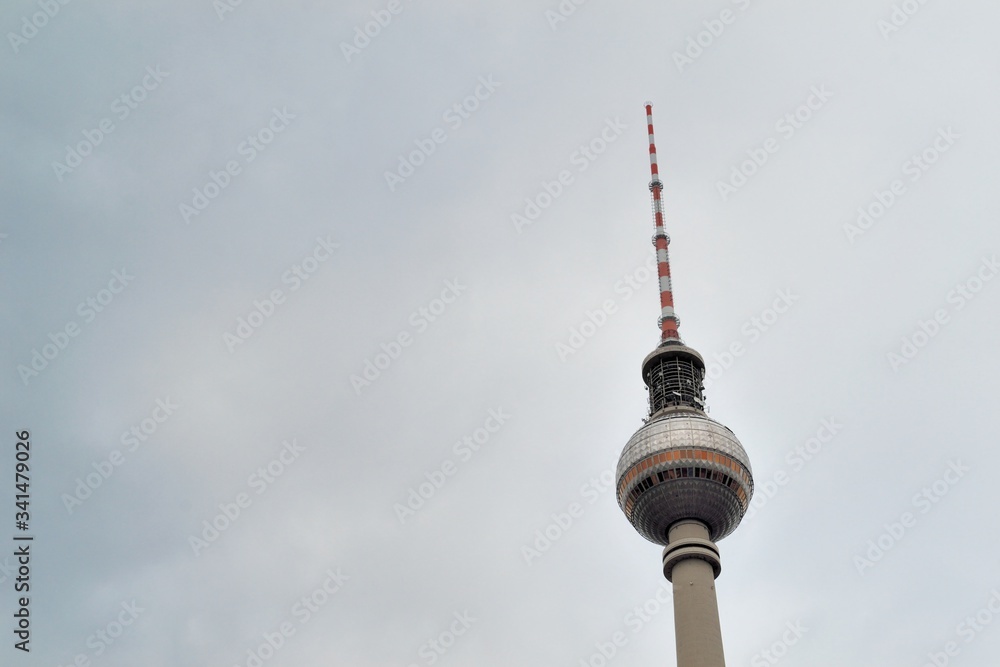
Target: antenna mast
{"points": [[668, 321]]}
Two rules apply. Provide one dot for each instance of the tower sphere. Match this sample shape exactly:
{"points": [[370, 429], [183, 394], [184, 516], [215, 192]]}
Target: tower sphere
{"points": [[684, 465]]}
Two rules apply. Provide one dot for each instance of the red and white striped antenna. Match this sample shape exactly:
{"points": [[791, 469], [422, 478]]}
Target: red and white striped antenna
{"points": [[668, 320]]}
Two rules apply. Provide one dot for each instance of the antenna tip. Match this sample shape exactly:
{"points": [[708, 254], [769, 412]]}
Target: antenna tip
{"points": [[648, 104]]}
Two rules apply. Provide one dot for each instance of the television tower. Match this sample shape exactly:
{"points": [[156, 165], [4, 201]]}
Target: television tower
{"points": [[684, 480]]}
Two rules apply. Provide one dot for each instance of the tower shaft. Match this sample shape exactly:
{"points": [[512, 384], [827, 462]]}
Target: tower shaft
{"points": [[693, 566]]}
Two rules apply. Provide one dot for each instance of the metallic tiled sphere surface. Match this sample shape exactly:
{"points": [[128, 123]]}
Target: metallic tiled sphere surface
{"points": [[684, 466]]}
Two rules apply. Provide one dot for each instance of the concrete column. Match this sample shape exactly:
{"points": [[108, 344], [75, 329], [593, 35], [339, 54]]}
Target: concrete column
{"points": [[691, 563]]}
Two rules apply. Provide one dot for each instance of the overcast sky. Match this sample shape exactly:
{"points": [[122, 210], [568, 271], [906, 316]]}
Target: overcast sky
{"points": [[326, 320]]}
